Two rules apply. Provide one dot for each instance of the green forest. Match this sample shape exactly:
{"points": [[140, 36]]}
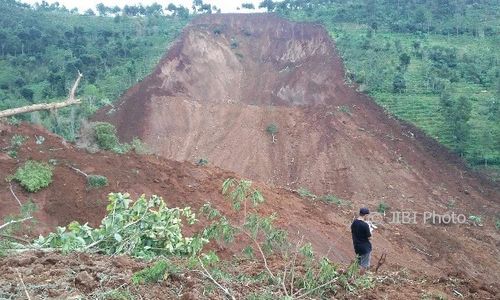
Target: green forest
{"points": [[433, 63]]}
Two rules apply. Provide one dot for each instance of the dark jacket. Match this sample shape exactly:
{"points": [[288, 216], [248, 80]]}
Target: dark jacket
{"points": [[360, 234]]}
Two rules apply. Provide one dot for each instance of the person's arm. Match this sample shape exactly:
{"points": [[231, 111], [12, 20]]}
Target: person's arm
{"points": [[367, 231]]}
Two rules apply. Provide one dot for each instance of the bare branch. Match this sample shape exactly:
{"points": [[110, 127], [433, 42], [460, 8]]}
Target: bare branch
{"points": [[75, 86], [209, 276], [261, 252], [380, 262], [14, 194], [14, 221], [8, 236], [24, 286], [317, 288], [45, 106], [78, 171]]}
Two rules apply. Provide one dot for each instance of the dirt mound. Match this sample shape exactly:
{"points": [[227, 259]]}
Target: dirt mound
{"points": [[229, 77]]}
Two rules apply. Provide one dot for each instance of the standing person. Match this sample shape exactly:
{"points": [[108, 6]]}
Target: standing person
{"points": [[361, 235]]}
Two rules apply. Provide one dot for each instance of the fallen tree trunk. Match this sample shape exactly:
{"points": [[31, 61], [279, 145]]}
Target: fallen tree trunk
{"points": [[45, 106]]}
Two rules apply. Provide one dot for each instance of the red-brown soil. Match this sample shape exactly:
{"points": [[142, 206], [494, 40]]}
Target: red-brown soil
{"points": [[92, 276], [209, 100], [465, 251], [229, 76]]}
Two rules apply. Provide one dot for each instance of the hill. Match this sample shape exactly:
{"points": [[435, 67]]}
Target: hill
{"points": [[201, 102], [463, 253]]}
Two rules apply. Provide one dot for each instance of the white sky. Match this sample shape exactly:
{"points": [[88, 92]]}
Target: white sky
{"points": [[226, 6]]}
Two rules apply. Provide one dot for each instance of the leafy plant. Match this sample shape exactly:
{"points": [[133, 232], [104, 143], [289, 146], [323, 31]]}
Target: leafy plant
{"points": [[345, 109], [144, 228], [497, 223], [17, 141], [202, 162], [305, 193], [476, 220], [138, 146], [303, 275], [96, 181], [272, 129], [153, 274], [240, 192], [334, 199], [383, 207], [105, 135], [34, 175]]}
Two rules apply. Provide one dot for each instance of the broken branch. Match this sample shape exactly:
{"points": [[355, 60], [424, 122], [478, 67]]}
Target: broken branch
{"points": [[14, 194], [45, 106], [14, 221]]}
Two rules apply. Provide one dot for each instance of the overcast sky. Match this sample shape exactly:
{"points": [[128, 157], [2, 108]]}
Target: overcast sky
{"points": [[226, 5]]}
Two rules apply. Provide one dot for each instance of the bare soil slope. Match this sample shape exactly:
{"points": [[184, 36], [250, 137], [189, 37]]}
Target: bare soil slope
{"points": [[466, 254], [229, 76]]}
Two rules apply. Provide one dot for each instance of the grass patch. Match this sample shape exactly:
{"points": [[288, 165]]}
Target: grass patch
{"points": [[305, 193], [153, 274]]}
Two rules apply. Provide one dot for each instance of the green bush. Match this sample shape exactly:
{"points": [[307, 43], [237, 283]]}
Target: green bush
{"points": [[105, 135], [202, 162], [152, 274], [34, 176], [97, 181]]}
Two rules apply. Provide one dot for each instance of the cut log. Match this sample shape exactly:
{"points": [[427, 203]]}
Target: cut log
{"points": [[45, 106]]}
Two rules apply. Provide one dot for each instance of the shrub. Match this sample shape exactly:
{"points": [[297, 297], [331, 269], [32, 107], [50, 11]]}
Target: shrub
{"points": [[152, 274], [138, 146], [34, 176], [105, 135], [383, 208], [476, 220], [96, 181], [272, 128], [202, 162], [17, 141]]}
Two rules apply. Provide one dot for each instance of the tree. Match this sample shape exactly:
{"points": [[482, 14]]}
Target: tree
{"points": [[268, 4], [89, 12], [154, 9], [456, 114], [399, 83], [45, 106], [404, 60], [248, 5], [102, 9]]}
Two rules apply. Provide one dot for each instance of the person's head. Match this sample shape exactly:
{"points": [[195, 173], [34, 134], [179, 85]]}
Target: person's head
{"points": [[363, 212]]}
